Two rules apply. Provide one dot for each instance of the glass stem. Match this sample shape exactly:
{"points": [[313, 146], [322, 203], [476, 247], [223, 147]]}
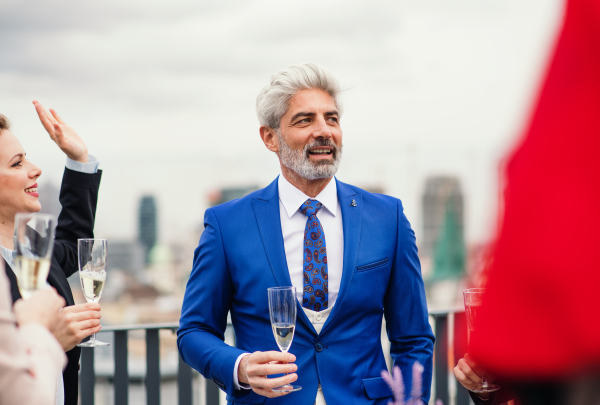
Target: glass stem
{"points": [[484, 382], [93, 338]]}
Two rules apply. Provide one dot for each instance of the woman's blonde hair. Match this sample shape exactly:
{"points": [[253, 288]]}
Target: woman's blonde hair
{"points": [[4, 123]]}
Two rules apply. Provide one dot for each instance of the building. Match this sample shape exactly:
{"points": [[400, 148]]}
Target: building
{"points": [[127, 256], [147, 224], [229, 193], [442, 200]]}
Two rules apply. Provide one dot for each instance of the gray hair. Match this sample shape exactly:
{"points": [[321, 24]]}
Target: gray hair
{"points": [[274, 100]]}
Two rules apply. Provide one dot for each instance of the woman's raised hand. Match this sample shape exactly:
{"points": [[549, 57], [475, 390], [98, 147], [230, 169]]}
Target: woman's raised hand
{"points": [[62, 134]]}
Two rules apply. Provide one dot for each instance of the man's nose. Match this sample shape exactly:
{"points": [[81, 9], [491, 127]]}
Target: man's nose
{"points": [[322, 130]]}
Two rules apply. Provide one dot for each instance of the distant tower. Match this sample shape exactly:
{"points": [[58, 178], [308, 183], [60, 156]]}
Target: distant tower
{"points": [[147, 224], [442, 197]]}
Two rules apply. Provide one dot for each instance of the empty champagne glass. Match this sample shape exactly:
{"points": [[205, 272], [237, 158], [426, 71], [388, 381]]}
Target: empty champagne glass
{"points": [[33, 246], [92, 273], [472, 298], [282, 308]]}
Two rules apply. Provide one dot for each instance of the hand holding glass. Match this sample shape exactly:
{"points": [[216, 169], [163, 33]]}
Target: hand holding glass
{"points": [[34, 244], [92, 272], [472, 298], [282, 308]]}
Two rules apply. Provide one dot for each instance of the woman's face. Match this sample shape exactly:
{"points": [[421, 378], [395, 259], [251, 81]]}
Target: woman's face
{"points": [[18, 186]]}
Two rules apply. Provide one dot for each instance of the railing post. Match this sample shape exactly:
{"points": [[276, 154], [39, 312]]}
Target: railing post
{"points": [[121, 376], [441, 358], [153, 379], [184, 383], [460, 348], [212, 392], [88, 376]]}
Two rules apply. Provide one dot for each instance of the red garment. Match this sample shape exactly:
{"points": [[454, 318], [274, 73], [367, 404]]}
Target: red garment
{"points": [[540, 317]]}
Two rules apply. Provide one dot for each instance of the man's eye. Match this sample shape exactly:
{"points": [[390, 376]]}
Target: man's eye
{"points": [[304, 120], [333, 119]]}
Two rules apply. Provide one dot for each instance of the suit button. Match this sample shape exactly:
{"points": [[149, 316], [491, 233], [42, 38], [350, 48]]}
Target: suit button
{"points": [[319, 347]]}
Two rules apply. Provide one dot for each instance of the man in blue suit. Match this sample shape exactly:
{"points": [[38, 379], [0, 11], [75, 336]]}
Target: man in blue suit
{"points": [[350, 254]]}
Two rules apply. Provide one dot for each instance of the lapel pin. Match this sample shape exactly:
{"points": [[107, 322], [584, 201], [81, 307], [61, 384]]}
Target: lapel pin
{"points": [[353, 203]]}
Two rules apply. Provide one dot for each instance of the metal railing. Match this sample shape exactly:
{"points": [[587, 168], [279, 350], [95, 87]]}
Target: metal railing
{"points": [[449, 327]]}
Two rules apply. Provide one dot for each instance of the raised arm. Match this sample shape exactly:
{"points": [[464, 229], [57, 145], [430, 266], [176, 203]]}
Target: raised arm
{"points": [[78, 193]]}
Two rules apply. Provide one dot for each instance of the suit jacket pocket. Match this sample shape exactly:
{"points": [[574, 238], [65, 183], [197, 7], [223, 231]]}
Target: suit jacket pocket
{"points": [[373, 266], [376, 388]]}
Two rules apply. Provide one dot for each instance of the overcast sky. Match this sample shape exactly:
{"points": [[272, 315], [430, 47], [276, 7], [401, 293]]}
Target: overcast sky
{"points": [[163, 92]]}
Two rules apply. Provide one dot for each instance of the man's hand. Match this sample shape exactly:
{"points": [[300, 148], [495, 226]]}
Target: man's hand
{"points": [[467, 373], [254, 369], [43, 307], [77, 323], [62, 134]]}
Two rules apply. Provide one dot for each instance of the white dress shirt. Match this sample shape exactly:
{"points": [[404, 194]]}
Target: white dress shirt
{"points": [[9, 255], [293, 223]]}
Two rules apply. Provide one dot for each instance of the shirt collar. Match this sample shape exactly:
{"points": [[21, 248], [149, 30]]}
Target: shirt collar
{"points": [[8, 255], [292, 198]]}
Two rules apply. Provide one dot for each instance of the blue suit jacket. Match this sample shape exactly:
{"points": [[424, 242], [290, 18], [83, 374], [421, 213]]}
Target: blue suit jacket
{"points": [[241, 254]]}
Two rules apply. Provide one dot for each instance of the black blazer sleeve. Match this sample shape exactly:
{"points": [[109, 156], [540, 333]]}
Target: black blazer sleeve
{"points": [[78, 197]]}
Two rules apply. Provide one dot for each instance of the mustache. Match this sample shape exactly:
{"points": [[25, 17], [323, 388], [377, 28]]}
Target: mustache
{"points": [[321, 142]]}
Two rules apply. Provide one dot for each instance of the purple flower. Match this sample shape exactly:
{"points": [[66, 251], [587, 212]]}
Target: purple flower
{"points": [[397, 386]]}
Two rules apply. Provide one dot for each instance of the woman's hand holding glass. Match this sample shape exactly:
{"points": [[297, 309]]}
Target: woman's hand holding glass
{"points": [[469, 375], [42, 307], [77, 323]]}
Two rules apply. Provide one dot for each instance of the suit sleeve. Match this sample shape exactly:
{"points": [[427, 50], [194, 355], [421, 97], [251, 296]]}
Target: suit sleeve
{"points": [[30, 358], [407, 319], [207, 301], [78, 197]]}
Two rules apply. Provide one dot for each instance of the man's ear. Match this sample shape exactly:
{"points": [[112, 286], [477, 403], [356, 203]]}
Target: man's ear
{"points": [[270, 139]]}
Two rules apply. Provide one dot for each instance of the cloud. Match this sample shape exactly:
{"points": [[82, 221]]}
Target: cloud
{"points": [[163, 92]]}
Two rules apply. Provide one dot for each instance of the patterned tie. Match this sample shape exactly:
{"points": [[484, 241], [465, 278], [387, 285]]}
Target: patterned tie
{"points": [[315, 295]]}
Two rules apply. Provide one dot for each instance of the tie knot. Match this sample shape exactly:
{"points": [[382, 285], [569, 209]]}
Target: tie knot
{"points": [[310, 207]]}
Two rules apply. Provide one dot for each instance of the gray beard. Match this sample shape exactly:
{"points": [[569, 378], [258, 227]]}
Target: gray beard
{"points": [[299, 161]]}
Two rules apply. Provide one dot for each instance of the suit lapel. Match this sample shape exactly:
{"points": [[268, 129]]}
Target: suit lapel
{"points": [[351, 220], [266, 210]]}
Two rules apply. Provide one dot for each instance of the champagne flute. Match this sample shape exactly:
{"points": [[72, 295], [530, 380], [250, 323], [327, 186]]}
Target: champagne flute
{"points": [[92, 272], [282, 308], [33, 246], [472, 298]]}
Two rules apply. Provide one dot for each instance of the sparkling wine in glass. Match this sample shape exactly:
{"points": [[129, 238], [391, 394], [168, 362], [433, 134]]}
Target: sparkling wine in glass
{"points": [[92, 255], [282, 308], [472, 298], [33, 246]]}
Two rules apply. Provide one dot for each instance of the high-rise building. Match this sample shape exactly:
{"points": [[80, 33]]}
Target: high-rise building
{"points": [[442, 202], [229, 193], [147, 224], [127, 256]]}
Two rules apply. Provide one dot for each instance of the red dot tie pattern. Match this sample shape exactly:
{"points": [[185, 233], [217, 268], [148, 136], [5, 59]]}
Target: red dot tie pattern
{"points": [[315, 296]]}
